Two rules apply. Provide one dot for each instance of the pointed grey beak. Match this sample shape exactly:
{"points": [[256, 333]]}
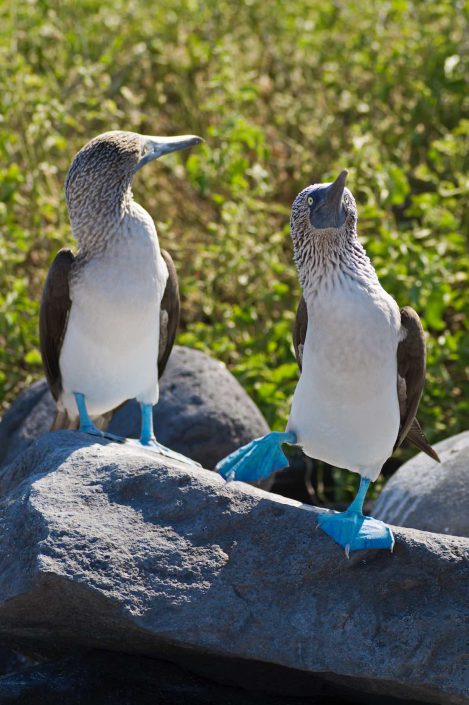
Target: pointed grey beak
{"points": [[336, 190], [327, 209], [159, 146]]}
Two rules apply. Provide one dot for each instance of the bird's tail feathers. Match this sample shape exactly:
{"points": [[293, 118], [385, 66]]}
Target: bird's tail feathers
{"points": [[64, 422], [417, 437], [103, 421]]}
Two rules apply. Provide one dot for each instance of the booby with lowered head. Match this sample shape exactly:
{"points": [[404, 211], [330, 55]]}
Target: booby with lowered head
{"points": [[362, 362], [109, 314]]}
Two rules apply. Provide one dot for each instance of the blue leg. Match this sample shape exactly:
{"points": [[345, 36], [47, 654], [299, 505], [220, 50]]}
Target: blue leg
{"points": [[148, 440], [86, 424], [354, 531], [147, 435], [256, 460]]}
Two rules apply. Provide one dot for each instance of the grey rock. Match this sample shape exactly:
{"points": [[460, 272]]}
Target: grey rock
{"points": [[29, 416], [99, 677], [203, 412], [431, 496], [108, 546]]}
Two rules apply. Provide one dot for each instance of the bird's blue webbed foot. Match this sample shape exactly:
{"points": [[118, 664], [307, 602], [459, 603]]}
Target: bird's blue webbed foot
{"points": [[258, 459], [354, 531], [148, 440], [152, 444], [87, 425]]}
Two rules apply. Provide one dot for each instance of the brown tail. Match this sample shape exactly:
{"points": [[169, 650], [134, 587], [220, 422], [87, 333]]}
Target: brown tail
{"points": [[417, 437], [62, 421]]}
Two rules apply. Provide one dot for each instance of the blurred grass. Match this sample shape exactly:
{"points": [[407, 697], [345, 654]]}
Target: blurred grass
{"points": [[285, 94]]}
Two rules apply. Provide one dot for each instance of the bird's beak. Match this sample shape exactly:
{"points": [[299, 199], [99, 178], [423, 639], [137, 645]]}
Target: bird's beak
{"points": [[336, 191], [158, 146]]}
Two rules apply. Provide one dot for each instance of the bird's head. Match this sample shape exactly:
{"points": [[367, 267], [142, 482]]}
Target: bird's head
{"points": [[99, 179], [324, 233], [321, 211]]}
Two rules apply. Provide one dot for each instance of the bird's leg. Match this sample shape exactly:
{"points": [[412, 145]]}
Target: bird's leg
{"points": [[258, 459], [354, 531], [147, 435], [87, 425], [357, 504], [148, 440]]}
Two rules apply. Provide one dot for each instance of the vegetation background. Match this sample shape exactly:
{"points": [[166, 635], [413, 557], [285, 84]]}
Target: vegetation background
{"points": [[286, 94]]}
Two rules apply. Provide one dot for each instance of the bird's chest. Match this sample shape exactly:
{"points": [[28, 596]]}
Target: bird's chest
{"points": [[111, 344], [352, 336], [128, 276], [345, 409]]}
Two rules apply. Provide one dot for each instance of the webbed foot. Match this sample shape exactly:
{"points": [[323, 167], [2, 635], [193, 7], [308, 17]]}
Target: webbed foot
{"points": [[152, 444], [354, 531], [256, 460]]}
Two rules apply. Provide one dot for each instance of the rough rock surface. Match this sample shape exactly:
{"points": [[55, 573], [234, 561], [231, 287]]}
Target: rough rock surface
{"points": [[431, 496], [203, 412], [103, 545]]}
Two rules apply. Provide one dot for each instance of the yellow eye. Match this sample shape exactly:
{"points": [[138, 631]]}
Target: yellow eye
{"points": [[310, 200]]}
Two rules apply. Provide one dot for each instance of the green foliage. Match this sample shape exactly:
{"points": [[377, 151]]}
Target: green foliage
{"points": [[286, 94]]}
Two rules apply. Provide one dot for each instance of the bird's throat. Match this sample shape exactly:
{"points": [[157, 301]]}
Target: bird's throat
{"points": [[328, 256]]}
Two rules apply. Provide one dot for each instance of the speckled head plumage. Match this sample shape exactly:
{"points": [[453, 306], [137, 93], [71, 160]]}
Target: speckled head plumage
{"points": [[105, 163], [324, 233], [97, 187]]}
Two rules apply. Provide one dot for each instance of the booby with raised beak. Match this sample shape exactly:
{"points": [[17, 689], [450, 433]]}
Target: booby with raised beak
{"points": [[109, 314], [362, 362]]}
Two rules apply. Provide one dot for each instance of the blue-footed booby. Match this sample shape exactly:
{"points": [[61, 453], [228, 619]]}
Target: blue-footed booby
{"points": [[109, 314], [362, 363]]}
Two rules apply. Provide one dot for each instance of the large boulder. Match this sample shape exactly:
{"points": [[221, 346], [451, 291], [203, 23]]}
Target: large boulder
{"points": [[110, 546], [203, 412], [430, 496]]}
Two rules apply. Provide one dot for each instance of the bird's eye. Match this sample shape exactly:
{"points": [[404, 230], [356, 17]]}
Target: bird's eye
{"points": [[310, 200]]}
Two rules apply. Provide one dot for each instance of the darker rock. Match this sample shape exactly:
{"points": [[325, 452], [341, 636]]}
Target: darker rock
{"points": [[98, 677], [12, 661], [30, 415], [203, 412], [108, 546], [431, 496], [113, 678]]}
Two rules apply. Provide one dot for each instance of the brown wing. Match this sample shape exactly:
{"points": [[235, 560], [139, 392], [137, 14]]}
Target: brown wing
{"points": [[169, 314], [299, 331], [53, 315], [411, 378]]}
